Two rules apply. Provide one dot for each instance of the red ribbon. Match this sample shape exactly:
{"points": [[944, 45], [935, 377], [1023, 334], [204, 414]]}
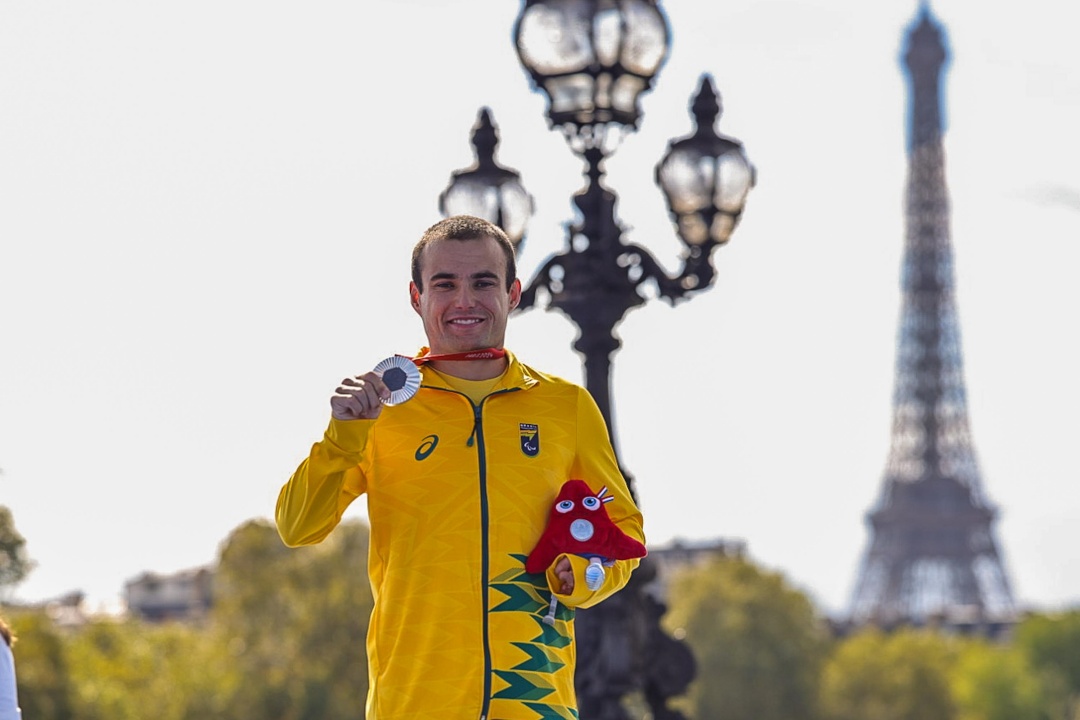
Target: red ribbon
{"points": [[485, 354]]}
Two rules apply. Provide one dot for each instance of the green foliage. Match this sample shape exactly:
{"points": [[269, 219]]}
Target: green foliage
{"points": [[292, 624], [998, 682], [284, 641], [41, 667], [759, 644], [15, 563], [117, 666], [901, 676], [1052, 641]]}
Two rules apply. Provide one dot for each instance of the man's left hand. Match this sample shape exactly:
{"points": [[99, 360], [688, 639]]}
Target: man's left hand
{"points": [[565, 572]]}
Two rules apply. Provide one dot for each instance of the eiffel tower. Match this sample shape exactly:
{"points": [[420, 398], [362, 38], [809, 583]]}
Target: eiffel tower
{"points": [[932, 553]]}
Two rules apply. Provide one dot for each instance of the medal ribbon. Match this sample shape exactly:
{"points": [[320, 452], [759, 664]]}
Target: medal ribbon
{"points": [[485, 354]]}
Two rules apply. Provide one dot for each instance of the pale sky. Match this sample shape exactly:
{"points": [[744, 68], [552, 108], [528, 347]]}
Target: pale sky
{"points": [[206, 210]]}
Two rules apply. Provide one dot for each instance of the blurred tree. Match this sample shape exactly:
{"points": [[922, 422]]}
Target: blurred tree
{"points": [[284, 641], [900, 676], [119, 668], [998, 682], [1052, 641], [759, 644], [41, 667], [15, 564], [292, 624]]}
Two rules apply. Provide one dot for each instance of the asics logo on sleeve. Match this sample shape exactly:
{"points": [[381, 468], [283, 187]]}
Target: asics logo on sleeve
{"points": [[427, 447]]}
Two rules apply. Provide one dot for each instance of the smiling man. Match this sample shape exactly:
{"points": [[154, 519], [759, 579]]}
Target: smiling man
{"points": [[459, 481]]}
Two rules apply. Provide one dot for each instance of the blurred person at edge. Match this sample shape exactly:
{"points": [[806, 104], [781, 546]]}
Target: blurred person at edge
{"points": [[460, 481], [9, 696]]}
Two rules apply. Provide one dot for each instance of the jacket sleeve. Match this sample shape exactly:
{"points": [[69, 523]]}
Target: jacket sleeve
{"points": [[312, 502], [596, 464]]}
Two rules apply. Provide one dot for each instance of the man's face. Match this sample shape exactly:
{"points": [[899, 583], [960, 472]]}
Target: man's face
{"points": [[465, 302]]}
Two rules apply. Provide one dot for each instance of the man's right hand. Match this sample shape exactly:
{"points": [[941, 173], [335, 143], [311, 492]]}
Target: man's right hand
{"points": [[359, 398]]}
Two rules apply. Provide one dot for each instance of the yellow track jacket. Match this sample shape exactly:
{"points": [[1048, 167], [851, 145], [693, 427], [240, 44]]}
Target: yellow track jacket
{"points": [[458, 495]]}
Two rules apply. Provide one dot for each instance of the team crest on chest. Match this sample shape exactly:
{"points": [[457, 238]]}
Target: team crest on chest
{"points": [[530, 439]]}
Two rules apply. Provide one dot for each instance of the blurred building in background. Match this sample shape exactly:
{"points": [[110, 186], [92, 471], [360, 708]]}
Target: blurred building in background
{"points": [[186, 595]]}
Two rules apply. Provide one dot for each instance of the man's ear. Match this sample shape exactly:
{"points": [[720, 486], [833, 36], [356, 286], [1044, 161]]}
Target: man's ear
{"points": [[414, 296], [515, 293]]}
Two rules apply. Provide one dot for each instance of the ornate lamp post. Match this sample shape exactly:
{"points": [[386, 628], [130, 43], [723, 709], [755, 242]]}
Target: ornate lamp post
{"points": [[487, 189], [593, 59]]}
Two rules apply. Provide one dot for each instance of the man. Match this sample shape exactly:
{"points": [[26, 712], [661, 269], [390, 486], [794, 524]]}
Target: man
{"points": [[460, 480]]}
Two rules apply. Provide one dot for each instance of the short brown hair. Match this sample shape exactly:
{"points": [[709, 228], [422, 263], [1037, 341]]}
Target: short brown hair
{"points": [[464, 227]]}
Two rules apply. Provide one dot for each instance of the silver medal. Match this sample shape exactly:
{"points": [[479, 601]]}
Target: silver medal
{"points": [[401, 376]]}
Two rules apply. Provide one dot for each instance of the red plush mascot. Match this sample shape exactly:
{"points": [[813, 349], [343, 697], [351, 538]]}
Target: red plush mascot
{"points": [[579, 524]]}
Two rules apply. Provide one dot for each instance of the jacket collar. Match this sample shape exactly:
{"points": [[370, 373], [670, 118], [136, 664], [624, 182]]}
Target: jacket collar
{"points": [[517, 375]]}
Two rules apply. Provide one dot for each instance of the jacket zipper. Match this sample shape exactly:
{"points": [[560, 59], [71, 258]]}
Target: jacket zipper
{"points": [[477, 438], [478, 434]]}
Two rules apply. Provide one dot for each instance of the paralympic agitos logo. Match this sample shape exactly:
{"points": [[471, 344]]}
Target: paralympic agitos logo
{"points": [[530, 439]]}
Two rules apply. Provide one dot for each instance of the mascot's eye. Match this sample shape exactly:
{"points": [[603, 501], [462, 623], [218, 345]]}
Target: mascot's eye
{"points": [[565, 506], [590, 503]]}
